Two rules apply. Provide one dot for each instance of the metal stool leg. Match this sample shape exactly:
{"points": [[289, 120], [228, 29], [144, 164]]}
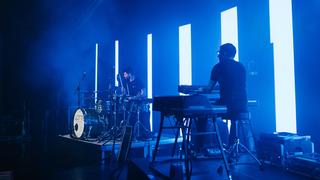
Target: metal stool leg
{"points": [[235, 148]]}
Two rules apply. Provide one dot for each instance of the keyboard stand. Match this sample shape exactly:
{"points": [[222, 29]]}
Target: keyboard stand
{"points": [[183, 123]]}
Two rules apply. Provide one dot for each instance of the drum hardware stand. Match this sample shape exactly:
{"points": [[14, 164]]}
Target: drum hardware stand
{"points": [[139, 124], [124, 121], [113, 133]]}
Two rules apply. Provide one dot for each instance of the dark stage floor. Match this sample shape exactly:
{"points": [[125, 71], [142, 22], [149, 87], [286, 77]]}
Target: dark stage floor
{"points": [[135, 169], [206, 168], [34, 161]]}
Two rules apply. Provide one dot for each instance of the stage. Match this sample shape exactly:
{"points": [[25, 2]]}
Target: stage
{"points": [[207, 168], [138, 164], [70, 158], [102, 150]]}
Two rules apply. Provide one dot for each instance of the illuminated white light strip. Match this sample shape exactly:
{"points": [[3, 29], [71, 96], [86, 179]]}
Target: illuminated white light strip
{"points": [[229, 28], [185, 63], [281, 35], [229, 33], [116, 61], [149, 57], [96, 76]]}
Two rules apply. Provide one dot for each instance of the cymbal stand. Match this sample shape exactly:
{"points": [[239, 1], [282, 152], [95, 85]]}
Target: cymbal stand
{"points": [[113, 133], [124, 121], [115, 129], [127, 119], [139, 125]]}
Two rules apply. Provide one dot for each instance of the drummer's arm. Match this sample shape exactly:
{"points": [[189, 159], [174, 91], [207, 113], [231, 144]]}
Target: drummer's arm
{"points": [[141, 94]]}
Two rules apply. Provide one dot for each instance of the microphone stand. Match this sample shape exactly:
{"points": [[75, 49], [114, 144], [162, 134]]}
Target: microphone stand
{"points": [[78, 89], [78, 94]]}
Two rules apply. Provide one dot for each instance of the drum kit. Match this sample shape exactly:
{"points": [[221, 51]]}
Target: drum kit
{"points": [[105, 119]]}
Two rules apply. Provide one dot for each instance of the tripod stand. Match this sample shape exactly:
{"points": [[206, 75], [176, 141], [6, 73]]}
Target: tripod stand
{"points": [[234, 149], [114, 132], [139, 125]]}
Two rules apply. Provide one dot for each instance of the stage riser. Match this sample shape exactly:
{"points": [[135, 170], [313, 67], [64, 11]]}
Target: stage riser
{"points": [[76, 151], [79, 150]]}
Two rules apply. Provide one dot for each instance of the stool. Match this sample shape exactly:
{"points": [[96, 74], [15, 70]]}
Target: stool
{"points": [[234, 147]]}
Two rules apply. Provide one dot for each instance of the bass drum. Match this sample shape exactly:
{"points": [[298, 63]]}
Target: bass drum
{"points": [[87, 124]]}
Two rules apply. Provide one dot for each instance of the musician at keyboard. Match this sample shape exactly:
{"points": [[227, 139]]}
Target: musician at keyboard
{"points": [[230, 77]]}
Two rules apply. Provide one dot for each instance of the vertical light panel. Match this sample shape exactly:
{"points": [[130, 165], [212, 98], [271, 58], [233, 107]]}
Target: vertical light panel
{"points": [[185, 69], [149, 58], [185, 63], [96, 76], [116, 62], [229, 33], [281, 36], [229, 28]]}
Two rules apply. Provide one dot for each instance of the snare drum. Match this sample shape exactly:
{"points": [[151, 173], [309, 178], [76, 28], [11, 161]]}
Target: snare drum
{"points": [[87, 124]]}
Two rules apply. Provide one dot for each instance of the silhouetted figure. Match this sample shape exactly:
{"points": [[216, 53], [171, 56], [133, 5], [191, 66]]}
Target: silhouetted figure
{"points": [[230, 77]]}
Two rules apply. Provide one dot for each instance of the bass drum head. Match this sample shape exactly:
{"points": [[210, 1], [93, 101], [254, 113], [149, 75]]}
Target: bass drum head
{"points": [[87, 124], [78, 123]]}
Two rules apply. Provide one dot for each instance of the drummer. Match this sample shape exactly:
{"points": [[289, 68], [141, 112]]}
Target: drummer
{"points": [[132, 86], [135, 92]]}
